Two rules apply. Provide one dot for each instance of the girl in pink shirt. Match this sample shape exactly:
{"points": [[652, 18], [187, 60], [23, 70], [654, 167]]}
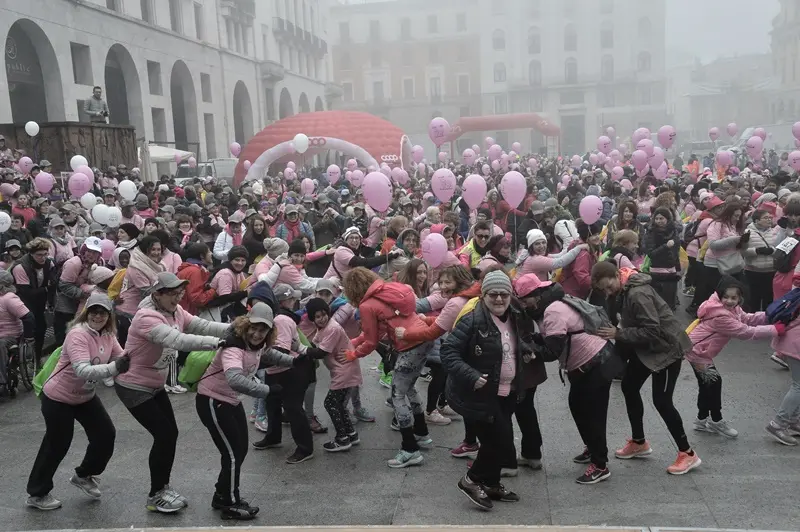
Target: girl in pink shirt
{"points": [[90, 353], [227, 281], [539, 262]]}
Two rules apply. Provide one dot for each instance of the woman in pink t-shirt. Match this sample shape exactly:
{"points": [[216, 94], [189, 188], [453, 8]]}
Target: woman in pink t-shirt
{"points": [[14, 317], [219, 404], [90, 354]]}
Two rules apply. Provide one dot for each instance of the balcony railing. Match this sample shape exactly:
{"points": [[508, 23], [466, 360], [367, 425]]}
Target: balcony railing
{"points": [[272, 71]]}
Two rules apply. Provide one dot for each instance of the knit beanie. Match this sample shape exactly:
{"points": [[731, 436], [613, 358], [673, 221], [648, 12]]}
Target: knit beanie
{"points": [[131, 230], [275, 247], [238, 252], [534, 235], [315, 305], [297, 246], [496, 280], [99, 274]]}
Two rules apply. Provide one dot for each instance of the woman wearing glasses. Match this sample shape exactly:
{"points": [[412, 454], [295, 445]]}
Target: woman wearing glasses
{"points": [[483, 359], [160, 328]]}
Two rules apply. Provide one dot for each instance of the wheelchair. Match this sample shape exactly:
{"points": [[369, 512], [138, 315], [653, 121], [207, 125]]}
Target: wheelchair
{"points": [[22, 367]]}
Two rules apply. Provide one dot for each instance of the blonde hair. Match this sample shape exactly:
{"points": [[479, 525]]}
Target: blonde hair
{"points": [[625, 237], [110, 326], [356, 282], [38, 244], [241, 324]]}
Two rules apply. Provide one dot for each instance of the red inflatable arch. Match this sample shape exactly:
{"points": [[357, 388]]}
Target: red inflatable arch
{"points": [[365, 137]]}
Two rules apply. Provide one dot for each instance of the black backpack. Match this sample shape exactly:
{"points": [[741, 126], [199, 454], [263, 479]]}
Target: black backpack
{"points": [[689, 233]]}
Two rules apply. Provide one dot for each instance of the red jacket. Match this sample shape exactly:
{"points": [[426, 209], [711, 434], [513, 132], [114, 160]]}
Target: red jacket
{"points": [[196, 296], [577, 276], [386, 306]]}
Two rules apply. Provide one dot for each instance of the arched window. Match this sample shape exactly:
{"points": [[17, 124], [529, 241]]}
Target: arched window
{"points": [[571, 71], [570, 39], [535, 73], [499, 40], [534, 41], [645, 27], [499, 72], [607, 68], [643, 64], [607, 35]]}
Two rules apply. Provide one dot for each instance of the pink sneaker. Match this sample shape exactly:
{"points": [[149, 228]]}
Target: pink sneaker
{"points": [[684, 463], [633, 450], [465, 450]]}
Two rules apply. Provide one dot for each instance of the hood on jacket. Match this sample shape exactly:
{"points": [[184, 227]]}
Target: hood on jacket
{"points": [[261, 291], [397, 296], [116, 254], [187, 265], [712, 308], [631, 278], [438, 228]]}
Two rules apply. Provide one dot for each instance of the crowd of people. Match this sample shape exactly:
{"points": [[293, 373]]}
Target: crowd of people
{"points": [[273, 282]]}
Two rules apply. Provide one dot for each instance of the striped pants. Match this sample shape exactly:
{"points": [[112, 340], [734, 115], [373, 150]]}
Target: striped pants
{"points": [[227, 425]]}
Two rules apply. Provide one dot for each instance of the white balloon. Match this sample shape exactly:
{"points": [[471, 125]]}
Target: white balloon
{"points": [[114, 217], [100, 213], [5, 222], [127, 190], [88, 200], [32, 129], [301, 143], [78, 161]]}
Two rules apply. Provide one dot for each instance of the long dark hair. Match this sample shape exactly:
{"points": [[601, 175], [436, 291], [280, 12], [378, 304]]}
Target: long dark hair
{"points": [[726, 216], [408, 275]]}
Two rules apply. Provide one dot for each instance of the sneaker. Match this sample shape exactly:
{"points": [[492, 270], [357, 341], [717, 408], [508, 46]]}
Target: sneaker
{"points": [[424, 441], [507, 472], [684, 463], [45, 502], [169, 389], [179, 389], [475, 493], [165, 502], [533, 463], [109, 382], [362, 414], [386, 381], [584, 458], [354, 439], [449, 412], [394, 425], [593, 475], [465, 450], [389, 404], [316, 426], [435, 418], [688, 291], [722, 427], [335, 446], [633, 450], [265, 443], [500, 493], [794, 429], [261, 424], [405, 459], [427, 377], [701, 425], [298, 457], [780, 434], [251, 417], [87, 484], [779, 361], [240, 511], [178, 496]]}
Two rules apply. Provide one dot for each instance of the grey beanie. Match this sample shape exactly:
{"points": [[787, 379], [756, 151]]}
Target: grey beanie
{"points": [[496, 280]]}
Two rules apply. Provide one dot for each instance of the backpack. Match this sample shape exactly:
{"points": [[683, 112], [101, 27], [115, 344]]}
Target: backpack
{"points": [[399, 296], [195, 366], [44, 374], [782, 256], [785, 309], [594, 317], [689, 233]]}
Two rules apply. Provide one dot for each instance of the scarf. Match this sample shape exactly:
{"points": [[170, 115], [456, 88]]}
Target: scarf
{"points": [[293, 228], [129, 245], [186, 236], [236, 237], [59, 240], [145, 264]]}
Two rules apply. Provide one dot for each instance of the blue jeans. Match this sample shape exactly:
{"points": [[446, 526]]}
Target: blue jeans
{"points": [[789, 411]]}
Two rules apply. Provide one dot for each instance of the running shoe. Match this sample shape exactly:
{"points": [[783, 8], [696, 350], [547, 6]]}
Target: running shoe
{"points": [[239, 511], [779, 361], [178, 389], [584, 458], [475, 493], [354, 439], [87, 484], [424, 441], [449, 412], [362, 414], [501, 493], [386, 380], [722, 427], [335, 446], [465, 450], [261, 424], [45, 502], [405, 459], [164, 501], [533, 463], [436, 418], [684, 463], [780, 434], [169, 389], [593, 475], [265, 443], [701, 425], [298, 457], [633, 450], [178, 496], [508, 472], [252, 416]]}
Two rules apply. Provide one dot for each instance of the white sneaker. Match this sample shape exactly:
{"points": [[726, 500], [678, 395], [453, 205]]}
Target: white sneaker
{"points": [[701, 425], [261, 424], [45, 502], [179, 389], [721, 427], [169, 389], [435, 418], [109, 382], [449, 412], [87, 484], [779, 361]]}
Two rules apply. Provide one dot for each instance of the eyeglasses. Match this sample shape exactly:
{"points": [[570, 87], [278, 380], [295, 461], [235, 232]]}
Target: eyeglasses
{"points": [[498, 295], [481, 237]]}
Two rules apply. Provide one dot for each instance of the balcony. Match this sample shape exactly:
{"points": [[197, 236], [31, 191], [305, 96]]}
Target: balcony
{"points": [[278, 26], [333, 91], [271, 71], [290, 28], [243, 10]]}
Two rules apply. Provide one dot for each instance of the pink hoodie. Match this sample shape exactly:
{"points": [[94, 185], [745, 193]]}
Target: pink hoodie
{"points": [[719, 324]]}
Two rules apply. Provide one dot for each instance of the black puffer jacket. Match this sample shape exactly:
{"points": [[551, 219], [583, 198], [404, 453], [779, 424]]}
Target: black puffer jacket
{"points": [[473, 349]]}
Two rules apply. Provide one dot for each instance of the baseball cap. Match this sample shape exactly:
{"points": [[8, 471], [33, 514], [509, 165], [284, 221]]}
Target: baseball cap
{"points": [[39, 201], [713, 201], [359, 205], [167, 281], [168, 208], [109, 192], [126, 203], [324, 284], [98, 299], [537, 207], [284, 292], [93, 243], [528, 283], [56, 221], [261, 313], [44, 163], [11, 243], [236, 217], [247, 214], [243, 202], [68, 207], [291, 208]]}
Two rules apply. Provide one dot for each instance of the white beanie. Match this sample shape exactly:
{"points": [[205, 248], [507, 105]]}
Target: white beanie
{"points": [[534, 235]]}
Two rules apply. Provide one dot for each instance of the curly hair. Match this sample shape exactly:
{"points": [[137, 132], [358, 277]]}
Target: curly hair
{"points": [[37, 244], [460, 275], [356, 282], [241, 324]]}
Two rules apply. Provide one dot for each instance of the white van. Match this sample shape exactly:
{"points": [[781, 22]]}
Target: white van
{"points": [[219, 168]]}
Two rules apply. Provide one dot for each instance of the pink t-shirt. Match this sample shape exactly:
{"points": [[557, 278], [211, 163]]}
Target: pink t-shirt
{"points": [[74, 272], [560, 318], [11, 310], [82, 344], [171, 261], [61, 252], [214, 384], [130, 295], [286, 335], [226, 282], [341, 262], [508, 369], [263, 266], [447, 317], [334, 340]]}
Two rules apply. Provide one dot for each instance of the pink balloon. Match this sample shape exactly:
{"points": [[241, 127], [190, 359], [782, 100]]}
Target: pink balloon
{"points": [[438, 130], [576, 161], [485, 169], [733, 129], [178, 158], [348, 176], [474, 188], [385, 170], [236, 149], [26, 165], [794, 160], [192, 162], [495, 165], [395, 173], [626, 184], [593, 159], [377, 191], [443, 184], [44, 182], [760, 132], [495, 152], [724, 158], [442, 156], [601, 158], [402, 177], [565, 179], [617, 173], [488, 141], [504, 158], [468, 157], [661, 172], [434, 249], [513, 188], [611, 132], [644, 171], [108, 247], [417, 155], [639, 134], [291, 165], [615, 155], [639, 159], [357, 178], [289, 174], [713, 133], [246, 165], [79, 184], [7, 190], [85, 170], [352, 164], [533, 164], [590, 209], [754, 146], [623, 149], [666, 136], [657, 158], [797, 143], [646, 145], [333, 174], [604, 144], [517, 147], [307, 187]]}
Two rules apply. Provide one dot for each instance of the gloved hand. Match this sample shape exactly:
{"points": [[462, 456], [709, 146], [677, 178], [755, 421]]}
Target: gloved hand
{"points": [[745, 238], [351, 355], [781, 328], [764, 250], [123, 364], [275, 388], [222, 343]]}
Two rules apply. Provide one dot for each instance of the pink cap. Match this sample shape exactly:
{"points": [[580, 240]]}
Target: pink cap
{"points": [[528, 283]]}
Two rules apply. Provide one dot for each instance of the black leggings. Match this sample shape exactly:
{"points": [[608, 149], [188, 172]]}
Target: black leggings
{"points": [[294, 383], [528, 421], [227, 425], [123, 325], [691, 274], [588, 403], [709, 393], [636, 374], [60, 321], [759, 286], [59, 420], [497, 442], [436, 387], [334, 406], [157, 417]]}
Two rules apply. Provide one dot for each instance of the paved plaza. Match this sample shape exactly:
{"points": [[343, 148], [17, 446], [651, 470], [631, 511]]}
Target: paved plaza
{"points": [[750, 482]]}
